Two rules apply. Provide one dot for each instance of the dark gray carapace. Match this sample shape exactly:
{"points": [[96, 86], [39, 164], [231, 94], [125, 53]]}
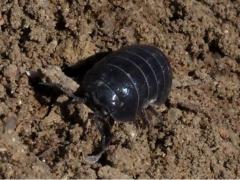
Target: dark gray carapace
{"points": [[128, 80], [116, 86]]}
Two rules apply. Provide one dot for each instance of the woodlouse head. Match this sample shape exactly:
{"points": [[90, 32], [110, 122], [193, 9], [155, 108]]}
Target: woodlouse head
{"points": [[102, 98]]}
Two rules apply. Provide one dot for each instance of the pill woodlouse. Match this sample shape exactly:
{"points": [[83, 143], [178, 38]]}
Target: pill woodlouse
{"points": [[121, 85], [128, 80]]}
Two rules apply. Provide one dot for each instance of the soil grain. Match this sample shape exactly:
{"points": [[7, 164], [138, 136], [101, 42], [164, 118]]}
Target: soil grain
{"points": [[199, 134]]}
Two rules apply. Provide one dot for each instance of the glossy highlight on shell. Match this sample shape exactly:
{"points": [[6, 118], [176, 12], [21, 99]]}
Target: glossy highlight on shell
{"points": [[128, 80]]}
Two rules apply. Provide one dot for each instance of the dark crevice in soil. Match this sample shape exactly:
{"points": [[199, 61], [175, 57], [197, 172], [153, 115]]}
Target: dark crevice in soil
{"points": [[25, 36], [214, 48], [104, 161], [178, 11], [31, 16], [61, 22], [4, 55], [161, 142], [193, 75], [87, 8]]}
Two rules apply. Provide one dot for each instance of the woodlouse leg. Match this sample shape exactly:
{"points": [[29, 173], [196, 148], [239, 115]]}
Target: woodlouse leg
{"points": [[145, 117], [158, 121], [155, 113], [59, 89], [50, 106], [104, 128], [56, 91]]}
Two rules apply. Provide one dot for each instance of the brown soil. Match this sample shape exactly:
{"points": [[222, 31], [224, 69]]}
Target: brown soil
{"points": [[199, 136]]}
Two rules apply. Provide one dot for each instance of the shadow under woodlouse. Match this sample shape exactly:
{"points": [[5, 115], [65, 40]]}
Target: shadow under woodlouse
{"points": [[75, 71]]}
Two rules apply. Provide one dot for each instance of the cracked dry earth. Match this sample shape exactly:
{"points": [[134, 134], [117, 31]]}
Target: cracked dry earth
{"points": [[199, 134]]}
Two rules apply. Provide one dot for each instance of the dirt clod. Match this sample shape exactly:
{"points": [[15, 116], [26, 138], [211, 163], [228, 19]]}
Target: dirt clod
{"points": [[198, 134]]}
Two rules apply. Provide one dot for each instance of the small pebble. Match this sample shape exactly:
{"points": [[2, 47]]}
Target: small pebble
{"points": [[11, 72], [1, 20], [10, 123], [3, 149], [2, 91], [226, 31], [133, 134], [19, 102], [13, 139]]}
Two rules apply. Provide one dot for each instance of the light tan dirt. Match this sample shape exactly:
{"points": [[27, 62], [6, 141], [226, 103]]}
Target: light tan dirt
{"points": [[199, 136]]}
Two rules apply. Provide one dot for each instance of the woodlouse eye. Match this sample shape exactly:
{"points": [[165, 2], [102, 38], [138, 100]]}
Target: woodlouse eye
{"points": [[105, 99]]}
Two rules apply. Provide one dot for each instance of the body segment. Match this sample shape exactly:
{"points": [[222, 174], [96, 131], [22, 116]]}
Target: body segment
{"points": [[117, 87], [128, 80]]}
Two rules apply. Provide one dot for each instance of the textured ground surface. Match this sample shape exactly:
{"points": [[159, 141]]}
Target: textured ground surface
{"points": [[200, 133]]}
